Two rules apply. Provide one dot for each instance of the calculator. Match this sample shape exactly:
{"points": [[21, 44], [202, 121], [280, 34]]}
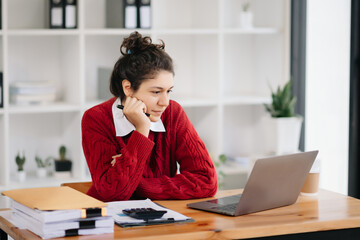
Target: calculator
{"points": [[144, 213]]}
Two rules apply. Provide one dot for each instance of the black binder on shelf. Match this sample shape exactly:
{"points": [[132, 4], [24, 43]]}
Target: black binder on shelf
{"points": [[135, 14], [56, 11], [130, 14], [144, 13], [70, 13]]}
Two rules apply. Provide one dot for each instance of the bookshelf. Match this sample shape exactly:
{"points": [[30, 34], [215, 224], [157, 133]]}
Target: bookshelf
{"points": [[222, 77]]}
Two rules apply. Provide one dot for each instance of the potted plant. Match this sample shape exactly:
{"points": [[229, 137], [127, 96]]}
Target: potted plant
{"points": [[62, 165], [20, 161], [220, 173], [284, 126], [245, 16], [42, 165]]}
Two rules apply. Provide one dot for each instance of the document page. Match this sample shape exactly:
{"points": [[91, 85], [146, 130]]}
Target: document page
{"points": [[126, 221]]}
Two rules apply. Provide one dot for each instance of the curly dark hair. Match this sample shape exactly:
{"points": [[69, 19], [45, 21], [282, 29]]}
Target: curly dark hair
{"points": [[141, 59]]}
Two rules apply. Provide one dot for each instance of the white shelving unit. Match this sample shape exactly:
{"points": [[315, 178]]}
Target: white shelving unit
{"points": [[222, 76]]}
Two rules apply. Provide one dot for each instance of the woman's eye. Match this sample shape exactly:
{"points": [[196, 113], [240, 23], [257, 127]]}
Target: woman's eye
{"points": [[158, 92]]}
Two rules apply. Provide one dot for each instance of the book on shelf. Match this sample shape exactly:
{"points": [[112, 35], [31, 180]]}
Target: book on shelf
{"points": [[63, 14], [59, 211], [32, 92], [135, 14], [23, 99], [70, 13], [130, 14], [144, 7], [56, 12]]}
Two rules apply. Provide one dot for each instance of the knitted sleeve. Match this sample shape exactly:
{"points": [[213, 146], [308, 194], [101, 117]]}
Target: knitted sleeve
{"points": [[116, 182], [197, 178]]}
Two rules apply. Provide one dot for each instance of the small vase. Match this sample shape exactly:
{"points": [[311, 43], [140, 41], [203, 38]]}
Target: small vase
{"points": [[21, 175], [41, 172], [282, 135], [62, 169], [245, 20]]}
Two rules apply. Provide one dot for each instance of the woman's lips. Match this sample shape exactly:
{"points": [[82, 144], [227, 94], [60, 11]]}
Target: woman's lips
{"points": [[157, 112]]}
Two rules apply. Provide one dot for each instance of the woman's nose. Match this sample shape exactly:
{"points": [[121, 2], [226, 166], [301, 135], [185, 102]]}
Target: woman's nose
{"points": [[164, 99]]}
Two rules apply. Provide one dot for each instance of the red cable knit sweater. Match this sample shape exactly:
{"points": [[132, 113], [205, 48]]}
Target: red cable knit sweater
{"points": [[147, 167]]}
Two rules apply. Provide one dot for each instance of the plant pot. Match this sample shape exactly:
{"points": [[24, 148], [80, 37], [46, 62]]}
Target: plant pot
{"points": [[21, 176], [62, 169], [41, 172], [283, 135], [245, 20], [63, 165]]}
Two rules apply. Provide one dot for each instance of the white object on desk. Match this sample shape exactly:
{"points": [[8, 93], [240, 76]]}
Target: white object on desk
{"points": [[122, 219]]}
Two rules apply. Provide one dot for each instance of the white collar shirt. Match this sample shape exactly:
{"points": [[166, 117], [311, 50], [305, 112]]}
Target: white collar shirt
{"points": [[123, 126]]}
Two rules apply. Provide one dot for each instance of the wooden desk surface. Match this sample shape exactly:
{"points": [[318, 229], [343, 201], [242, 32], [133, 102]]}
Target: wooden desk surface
{"points": [[327, 211]]}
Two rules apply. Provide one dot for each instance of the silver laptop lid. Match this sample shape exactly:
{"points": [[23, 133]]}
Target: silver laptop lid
{"points": [[275, 182]]}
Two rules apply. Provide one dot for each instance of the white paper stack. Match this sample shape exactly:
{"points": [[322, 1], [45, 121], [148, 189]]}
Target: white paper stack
{"points": [[68, 217], [32, 92], [125, 221], [61, 228]]}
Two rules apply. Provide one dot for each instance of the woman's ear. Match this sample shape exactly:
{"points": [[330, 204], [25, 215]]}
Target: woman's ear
{"points": [[126, 85]]}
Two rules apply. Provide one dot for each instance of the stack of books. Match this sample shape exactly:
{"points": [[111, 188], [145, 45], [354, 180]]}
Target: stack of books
{"points": [[32, 92], [58, 212]]}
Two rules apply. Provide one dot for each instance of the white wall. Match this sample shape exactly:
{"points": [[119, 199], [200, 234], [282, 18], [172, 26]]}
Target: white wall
{"points": [[327, 89]]}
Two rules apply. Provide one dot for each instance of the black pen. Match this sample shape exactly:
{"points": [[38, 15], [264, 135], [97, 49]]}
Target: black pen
{"points": [[122, 107]]}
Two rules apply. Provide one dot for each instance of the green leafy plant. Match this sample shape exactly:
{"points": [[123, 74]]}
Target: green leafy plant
{"points": [[62, 164], [283, 102], [43, 163], [245, 7], [20, 161], [62, 152], [221, 175]]}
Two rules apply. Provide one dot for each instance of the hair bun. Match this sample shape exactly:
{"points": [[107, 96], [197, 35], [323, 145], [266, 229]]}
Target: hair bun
{"points": [[137, 43]]}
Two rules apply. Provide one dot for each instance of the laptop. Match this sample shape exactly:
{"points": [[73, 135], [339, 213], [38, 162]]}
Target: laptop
{"points": [[273, 182]]}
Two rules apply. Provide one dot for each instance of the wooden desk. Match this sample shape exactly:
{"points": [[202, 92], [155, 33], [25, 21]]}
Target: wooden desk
{"points": [[327, 216]]}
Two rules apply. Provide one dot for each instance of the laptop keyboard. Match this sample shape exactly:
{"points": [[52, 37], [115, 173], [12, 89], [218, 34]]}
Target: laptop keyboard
{"points": [[228, 208]]}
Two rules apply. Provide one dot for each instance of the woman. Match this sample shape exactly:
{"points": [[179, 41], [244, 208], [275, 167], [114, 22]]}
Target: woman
{"points": [[133, 142]]}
